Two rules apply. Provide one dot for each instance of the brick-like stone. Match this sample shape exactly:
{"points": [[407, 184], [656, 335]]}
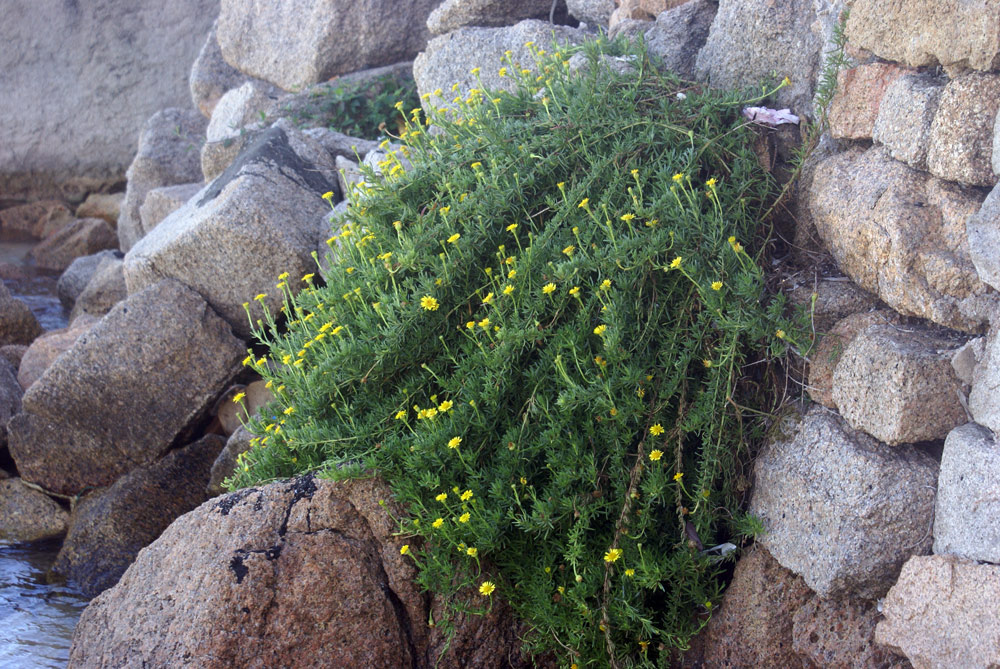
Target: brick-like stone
{"points": [[905, 117], [860, 91], [961, 138]]}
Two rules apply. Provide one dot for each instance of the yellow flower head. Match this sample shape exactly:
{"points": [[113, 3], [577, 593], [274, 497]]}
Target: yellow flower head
{"points": [[508, 289], [675, 263], [711, 183], [446, 406], [401, 414], [470, 324], [442, 497], [549, 288], [289, 411], [512, 227], [429, 303], [405, 550], [328, 195], [584, 203], [484, 324], [575, 290], [486, 588], [678, 476], [612, 555], [716, 285], [569, 250], [454, 238], [238, 396], [606, 284], [780, 334], [454, 442], [627, 217], [601, 362], [630, 572], [655, 454], [600, 329], [261, 297], [678, 177], [466, 496], [472, 551], [464, 518], [488, 299], [437, 523], [511, 274], [656, 430], [308, 277]]}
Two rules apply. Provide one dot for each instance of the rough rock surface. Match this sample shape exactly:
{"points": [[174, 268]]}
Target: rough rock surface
{"points": [[38, 219], [900, 234], [755, 40], [837, 297], [80, 78], [898, 385], [225, 464], [300, 42], [168, 154], [831, 347], [163, 201], [28, 515], [238, 108], [82, 237], [102, 205], [454, 14], [49, 346], [954, 33], [860, 91], [93, 416], [450, 59], [75, 278], [111, 526], [967, 514], [258, 219], [840, 509], [10, 397], [593, 12], [961, 137], [840, 633], [983, 230], [942, 613], [104, 290], [13, 353], [18, 324], [753, 626], [211, 76], [906, 115], [291, 574], [984, 398], [679, 33]]}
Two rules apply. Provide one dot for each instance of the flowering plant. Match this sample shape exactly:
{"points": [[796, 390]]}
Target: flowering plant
{"points": [[537, 332]]}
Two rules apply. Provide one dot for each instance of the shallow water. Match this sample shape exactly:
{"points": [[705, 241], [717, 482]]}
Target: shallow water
{"points": [[36, 618], [36, 287]]}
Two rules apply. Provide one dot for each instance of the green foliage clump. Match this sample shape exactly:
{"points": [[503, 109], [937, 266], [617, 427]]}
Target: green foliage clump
{"points": [[359, 108], [535, 327]]}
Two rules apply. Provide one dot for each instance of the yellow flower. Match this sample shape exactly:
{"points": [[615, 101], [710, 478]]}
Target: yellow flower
{"points": [[510, 260], [486, 588], [429, 303], [446, 406], [437, 523], [430, 413], [706, 362], [627, 217], [328, 195], [511, 274], [442, 497], [405, 549], [549, 288], [454, 442], [464, 518], [470, 324], [238, 396], [613, 412], [476, 165], [289, 411], [601, 362], [677, 177], [656, 430], [484, 324], [512, 227], [599, 330], [284, 275], [308, 277], [716, 285], [675, 263], [401, 414], [454, 238], [711, 182], [630, 572], [337, 330], [503, 72], [475, 71], [678, 476], [575, 290], [644, 645], [780, 334], [508, 289], [466, 496], [488, 299], [524, 481], [569, 250], [261, 297], [472, 551], [613, 555], [606, 284], [584, 203], [655, 454]]}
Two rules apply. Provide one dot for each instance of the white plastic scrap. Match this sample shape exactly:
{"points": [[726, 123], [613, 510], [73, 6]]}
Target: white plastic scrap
{"points": [[767, 116]]}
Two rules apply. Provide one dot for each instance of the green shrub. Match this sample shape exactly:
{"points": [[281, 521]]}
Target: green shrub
{"points": [[537, 334]]}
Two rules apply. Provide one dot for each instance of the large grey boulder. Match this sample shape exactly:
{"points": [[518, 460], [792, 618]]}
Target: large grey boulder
{"points": [[18, 324], [240, 107], [678, 34], [169, 154], [967, 514], [226, 462], [841, 509], [111, 526], [125, 390], [49, 346], [82, 237], [983, 230], [984, 398], [74, 279], [942, 613], [27, 514], [163, 201], [592, 12], [900, 234], [211, 76], [898, 385], [104, 290], [450, 59], [78, 81], [256, 220], [906, 115], [10, 397], [454, 14], [305, 572], [299, 42], [954, 33], [961, 137], [760, 40]]}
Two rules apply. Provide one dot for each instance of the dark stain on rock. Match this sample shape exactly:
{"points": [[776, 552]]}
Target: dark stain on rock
{"points": [[238, 568], [274, 552], [270, 148], [226, 503], [301, 488]]}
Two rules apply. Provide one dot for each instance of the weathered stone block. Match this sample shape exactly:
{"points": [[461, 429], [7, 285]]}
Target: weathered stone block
{"points": [[961, 137], [905, 117], [860, 92]]}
